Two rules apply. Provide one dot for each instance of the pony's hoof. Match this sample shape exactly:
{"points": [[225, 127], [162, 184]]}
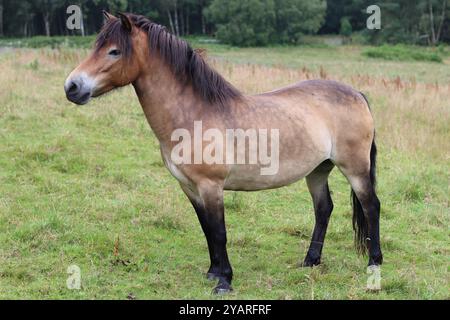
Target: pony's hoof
{"points": [[222, 289], [376, 260], [309, 263]]}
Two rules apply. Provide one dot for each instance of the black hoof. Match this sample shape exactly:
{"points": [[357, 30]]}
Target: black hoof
{"points": [[309, 263], [222, 288]]}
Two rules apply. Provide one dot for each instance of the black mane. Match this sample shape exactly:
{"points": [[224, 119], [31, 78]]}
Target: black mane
{"points": [[188, 65]]}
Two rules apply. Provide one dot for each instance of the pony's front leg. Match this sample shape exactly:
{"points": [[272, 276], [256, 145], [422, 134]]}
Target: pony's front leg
{"points": [[208, 204]]}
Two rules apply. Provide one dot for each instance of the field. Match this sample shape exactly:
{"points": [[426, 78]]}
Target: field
{"points": [[86, 186]]}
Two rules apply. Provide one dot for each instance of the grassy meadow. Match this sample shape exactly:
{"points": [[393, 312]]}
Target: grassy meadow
{"points": [[86, 186]]}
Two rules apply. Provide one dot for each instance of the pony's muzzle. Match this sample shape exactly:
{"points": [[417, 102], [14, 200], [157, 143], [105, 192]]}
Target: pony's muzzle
{"points": [[78, 91]]}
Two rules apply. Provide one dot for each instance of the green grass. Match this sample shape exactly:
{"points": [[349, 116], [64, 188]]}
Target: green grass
{"points": [[87, 186], [52, 42], [403, 53]]}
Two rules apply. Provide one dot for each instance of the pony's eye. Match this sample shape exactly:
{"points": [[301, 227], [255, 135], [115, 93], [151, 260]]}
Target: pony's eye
{"points": [[114, 53]]}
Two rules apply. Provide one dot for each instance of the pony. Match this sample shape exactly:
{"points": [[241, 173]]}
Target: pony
{"points": [[321, 125]]}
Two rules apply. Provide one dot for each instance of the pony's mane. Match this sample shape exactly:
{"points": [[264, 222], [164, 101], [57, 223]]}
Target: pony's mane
{"points": [[188, 65]]}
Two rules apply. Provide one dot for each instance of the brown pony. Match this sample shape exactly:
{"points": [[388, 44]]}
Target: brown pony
{"points": [[321, 124]]}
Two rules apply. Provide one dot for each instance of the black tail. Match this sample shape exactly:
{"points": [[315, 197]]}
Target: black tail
{"points": [[359, 220]]}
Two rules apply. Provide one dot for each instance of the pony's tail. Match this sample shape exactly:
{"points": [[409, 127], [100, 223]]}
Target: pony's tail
{"points": [[359, 220]]}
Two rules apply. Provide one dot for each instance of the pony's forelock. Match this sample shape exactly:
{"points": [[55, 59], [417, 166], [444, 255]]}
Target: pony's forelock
{"points": [[114, 33]]}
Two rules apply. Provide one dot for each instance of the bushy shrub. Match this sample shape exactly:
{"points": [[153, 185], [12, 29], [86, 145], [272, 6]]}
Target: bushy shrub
{"points": [[346, 29]]}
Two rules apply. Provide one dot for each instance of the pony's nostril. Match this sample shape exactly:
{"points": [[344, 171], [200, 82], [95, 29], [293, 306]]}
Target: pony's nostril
{"points": [[73, 88]]}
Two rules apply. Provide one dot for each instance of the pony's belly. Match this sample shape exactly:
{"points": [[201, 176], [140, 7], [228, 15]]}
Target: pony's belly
{"points": [[249, 178]]}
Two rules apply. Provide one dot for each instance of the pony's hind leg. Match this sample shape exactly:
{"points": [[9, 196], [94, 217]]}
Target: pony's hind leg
{"points": [[317, 183], [361, 173], [366, 217]]}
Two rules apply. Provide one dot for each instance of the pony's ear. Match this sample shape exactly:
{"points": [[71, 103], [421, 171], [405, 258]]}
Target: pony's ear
{"points": [[126, 22], [108, 16]]}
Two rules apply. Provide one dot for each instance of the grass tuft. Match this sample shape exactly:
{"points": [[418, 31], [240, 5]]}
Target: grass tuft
{"points": [[403, 53]]}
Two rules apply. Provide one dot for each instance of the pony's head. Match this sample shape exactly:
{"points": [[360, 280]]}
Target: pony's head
{"points": [[112, 64], [131, 45]]}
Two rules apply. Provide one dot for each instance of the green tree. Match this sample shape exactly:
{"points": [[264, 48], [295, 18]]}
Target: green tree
{"points": [[354, 10], [17, 18], [435, 19], [112, 5], [1, 18], [298, 17], [243, 23]]}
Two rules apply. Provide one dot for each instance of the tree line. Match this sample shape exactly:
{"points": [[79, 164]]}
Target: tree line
{"points": [[243, 22]]}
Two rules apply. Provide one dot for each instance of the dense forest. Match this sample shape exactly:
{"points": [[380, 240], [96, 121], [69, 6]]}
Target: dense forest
{"points": [[243, 22]]}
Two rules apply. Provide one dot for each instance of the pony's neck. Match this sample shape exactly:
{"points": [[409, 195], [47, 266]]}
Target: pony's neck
{"points": [[167, 103]]}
